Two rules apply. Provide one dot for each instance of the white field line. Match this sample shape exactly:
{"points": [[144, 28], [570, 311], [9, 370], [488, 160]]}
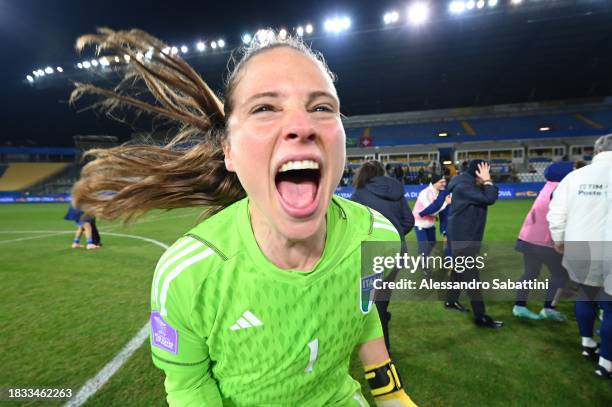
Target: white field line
{"points": [[31, 237], [154, 219], [15, 232], [94, 384]]}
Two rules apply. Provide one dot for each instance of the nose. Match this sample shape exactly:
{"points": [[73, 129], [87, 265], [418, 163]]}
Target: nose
{"points": [[299, 126]]}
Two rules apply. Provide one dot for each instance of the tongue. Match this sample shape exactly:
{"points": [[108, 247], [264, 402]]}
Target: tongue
{"points": [[298, 194]]}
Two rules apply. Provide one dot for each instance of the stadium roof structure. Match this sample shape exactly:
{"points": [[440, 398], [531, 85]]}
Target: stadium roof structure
{"points": [[534, 51]]}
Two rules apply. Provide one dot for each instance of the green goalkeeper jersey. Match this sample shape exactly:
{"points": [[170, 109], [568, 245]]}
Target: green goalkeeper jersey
{"points": [[229, 327]]}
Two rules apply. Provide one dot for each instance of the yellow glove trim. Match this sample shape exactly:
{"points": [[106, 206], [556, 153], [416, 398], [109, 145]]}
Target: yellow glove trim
{"points": [[381, 364]]}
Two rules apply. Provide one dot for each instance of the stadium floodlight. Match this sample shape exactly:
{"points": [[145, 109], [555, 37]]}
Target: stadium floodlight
{"points": [[261, 35], [337, 24], [265, 36], [174, 50], [282, 33], [149, 54], [443, 134], [544, 128], [35, 73], [80, 65], [345, 23], [139, 56], [418, 13], [127, 58], [48, 70], [328, 25], [391, 17], [94, 62], [104, 61], [184, 49], [213, 45], [59, 69], [117, 60], [166, 51], [492, 3], [221, 43], [309, 29], [300, 31], [516, 2], [200, 46], [456, 7], [470, 4], [480, 4], [86, 65], [447, 162], [29, 78], [246, 38]]}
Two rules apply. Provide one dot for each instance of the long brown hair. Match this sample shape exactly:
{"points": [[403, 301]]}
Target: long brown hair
{"points": [[366, 172], [129, 180]]}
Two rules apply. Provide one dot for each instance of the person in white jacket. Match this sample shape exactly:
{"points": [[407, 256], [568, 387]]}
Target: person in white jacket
{"points": [[580, 222]]}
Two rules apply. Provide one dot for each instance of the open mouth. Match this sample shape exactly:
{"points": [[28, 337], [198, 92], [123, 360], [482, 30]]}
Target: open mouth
{"points": [[297, 183]]}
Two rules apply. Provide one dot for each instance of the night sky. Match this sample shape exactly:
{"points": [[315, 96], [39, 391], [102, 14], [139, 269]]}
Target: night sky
{"points": [[496, 57]]}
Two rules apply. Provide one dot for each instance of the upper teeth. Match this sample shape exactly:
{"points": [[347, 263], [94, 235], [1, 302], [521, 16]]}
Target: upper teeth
{"points": [[299, 165]]}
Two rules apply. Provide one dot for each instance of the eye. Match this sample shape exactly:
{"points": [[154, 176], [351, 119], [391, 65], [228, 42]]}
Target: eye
{"points": [[262, 109], [323, 108]]}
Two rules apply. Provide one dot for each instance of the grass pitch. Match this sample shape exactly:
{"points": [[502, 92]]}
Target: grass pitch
{"points": [[66, 313]]}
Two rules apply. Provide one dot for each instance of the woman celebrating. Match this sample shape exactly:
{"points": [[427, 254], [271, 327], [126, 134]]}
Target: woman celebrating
{"points": [[263, 302]]}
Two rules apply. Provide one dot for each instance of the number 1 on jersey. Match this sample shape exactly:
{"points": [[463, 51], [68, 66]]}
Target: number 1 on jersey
{"points": [[314, 349]]}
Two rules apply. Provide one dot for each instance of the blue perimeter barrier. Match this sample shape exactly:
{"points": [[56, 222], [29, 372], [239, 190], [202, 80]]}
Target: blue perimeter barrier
{"points": [[515, 190], [16, 197], [519, 190]]}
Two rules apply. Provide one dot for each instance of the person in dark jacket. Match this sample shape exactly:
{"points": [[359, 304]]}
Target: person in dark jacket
{"points": [[385, 195], [472, 193]]}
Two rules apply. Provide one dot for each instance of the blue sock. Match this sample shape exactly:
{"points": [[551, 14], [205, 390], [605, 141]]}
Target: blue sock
{"points": [[77, 240], [89, 241]]}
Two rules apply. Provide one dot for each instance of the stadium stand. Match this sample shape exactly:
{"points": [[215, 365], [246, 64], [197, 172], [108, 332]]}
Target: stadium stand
{"points": [[501, 122], [19, 176], [518, 140], [59, 183]]}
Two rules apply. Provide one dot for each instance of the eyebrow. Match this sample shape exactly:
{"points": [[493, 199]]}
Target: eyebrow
{"points": [[311, 96], [317, 94]]}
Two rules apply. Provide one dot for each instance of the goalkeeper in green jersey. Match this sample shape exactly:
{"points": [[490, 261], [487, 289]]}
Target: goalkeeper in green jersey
{"points": [[263, 302]]}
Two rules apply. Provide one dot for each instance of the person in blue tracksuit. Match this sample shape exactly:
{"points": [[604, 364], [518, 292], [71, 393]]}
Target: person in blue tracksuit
{"points": [[472, 193]]}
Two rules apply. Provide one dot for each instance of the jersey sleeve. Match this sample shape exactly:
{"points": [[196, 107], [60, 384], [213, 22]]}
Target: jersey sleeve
{"points": [[178, 345], [183, 356], [372, 328]]}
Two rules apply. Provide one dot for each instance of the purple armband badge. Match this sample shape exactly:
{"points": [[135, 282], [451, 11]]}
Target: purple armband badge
{"points": [[163, 335]]}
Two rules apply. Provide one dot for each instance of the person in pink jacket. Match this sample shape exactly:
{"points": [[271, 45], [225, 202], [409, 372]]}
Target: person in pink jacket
{"points": [[537, 246]]}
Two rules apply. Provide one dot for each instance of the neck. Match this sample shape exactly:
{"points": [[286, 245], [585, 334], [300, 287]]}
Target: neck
{"points": [[282, 251]]}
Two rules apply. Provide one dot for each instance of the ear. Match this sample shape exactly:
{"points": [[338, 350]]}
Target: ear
{"points": [[227, 152]]}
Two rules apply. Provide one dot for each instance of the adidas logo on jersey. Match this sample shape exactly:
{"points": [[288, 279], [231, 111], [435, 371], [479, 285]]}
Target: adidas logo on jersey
{"points": [[247, 320]]}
